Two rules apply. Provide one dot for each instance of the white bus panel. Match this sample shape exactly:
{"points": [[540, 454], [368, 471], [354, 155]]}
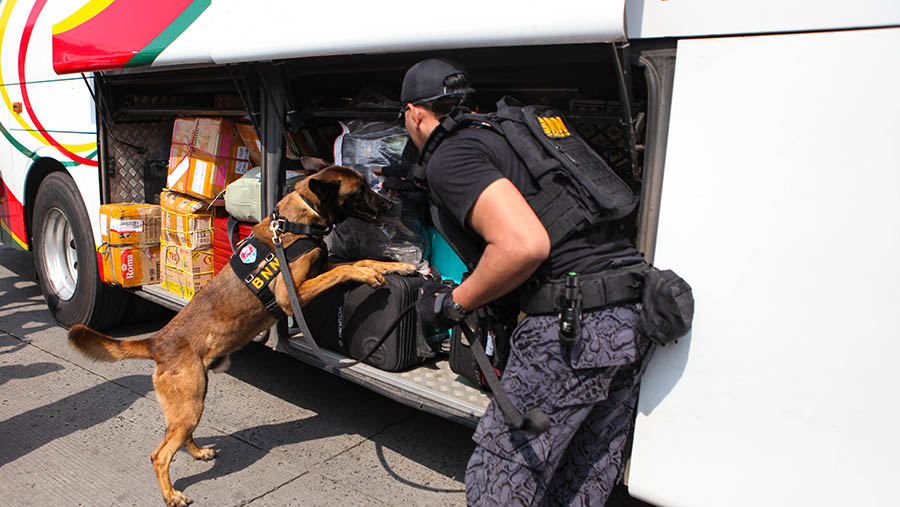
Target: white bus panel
{"points": [[781, 206]]}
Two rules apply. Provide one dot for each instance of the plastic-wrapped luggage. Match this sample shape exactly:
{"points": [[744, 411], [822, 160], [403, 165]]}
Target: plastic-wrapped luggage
{"points": [[369, 147]]}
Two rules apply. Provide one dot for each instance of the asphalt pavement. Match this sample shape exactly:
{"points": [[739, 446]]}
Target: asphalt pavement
{"points": [[77, 432]]}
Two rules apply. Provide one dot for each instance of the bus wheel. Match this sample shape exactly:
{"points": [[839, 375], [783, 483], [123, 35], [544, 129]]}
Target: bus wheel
{"points": [[66, 261]]}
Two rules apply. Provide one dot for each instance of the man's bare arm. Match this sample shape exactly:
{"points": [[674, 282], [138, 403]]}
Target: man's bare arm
{"points": [[517, 243]]}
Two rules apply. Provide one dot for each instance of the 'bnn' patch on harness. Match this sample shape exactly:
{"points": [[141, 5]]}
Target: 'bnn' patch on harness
{"points": [[256, 264]]}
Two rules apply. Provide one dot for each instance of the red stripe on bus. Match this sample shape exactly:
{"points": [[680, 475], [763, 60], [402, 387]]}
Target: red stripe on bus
{"points": [[114, 35], [23, 50], [12, 213]]}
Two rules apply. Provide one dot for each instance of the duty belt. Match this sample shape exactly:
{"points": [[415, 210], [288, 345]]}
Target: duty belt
{"points": [[611, 287]]}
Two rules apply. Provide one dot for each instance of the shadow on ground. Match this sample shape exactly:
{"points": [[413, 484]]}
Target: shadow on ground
{"points": [[428, 440], [313, 389], [35, 428]]}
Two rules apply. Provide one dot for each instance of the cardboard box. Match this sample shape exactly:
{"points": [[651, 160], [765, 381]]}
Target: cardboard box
{"points": [[251, 141], [130, 265], [186, 221], [206, 155], [185, 271], [130, 224]]}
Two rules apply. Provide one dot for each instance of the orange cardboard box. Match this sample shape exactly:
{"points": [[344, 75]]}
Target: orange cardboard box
{"points": [[185, 271], [251, 141], [206, 155], [130, 265], [130, 224], [186, 221]]}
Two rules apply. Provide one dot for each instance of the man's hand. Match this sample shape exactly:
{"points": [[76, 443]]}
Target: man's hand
{"points": [[436, 307], [396, 174]]}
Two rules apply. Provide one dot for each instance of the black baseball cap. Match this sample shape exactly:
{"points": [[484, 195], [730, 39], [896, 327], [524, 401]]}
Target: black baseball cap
{"points": [[424, 81]]}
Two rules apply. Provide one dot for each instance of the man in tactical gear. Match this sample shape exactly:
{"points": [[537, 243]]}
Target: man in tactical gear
{"points": [[583, 374]]}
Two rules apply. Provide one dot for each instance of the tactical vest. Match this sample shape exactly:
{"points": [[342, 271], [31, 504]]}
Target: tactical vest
{"points": [[577, 190]]}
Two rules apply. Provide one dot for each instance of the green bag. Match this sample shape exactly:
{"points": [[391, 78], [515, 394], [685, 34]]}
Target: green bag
{"points": [[242, 196]]}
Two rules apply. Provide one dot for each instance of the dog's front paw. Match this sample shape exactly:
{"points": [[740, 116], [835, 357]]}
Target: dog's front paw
{"points": [[371, 277], [401, 268], [178, 499], [384, 268]]}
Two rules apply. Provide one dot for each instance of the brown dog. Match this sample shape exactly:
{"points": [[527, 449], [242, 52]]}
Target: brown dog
{"points": [[224, 316]]}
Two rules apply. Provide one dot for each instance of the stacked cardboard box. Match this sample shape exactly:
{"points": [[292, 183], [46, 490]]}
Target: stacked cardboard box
{"points": [[186, 221], [206, 155], [186, 271], [186, 243], [251, 141], [130, 250]]}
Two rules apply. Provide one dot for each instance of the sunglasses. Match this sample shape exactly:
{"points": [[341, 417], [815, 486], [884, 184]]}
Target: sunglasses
{"points": [[400, 118]]}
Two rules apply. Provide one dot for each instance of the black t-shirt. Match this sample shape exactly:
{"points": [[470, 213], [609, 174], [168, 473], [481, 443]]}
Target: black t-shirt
{"points": [[469, 160]]}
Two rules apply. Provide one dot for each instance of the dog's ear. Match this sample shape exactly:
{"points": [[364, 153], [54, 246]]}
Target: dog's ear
{"points": [[326, 191], [313, 164]]}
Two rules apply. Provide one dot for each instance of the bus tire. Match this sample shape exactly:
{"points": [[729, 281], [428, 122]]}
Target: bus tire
{"points": [[65, 258]]}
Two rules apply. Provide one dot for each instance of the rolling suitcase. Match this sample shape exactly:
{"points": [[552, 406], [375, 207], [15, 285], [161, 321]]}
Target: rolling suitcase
{"points": [[352, 318]]}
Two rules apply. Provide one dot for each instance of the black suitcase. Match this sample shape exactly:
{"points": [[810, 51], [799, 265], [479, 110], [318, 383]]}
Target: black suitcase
{"points": [[352, 318]]}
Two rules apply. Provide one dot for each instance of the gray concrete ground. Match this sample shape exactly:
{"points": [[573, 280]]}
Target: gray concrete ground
{"points": [[76, 432]]}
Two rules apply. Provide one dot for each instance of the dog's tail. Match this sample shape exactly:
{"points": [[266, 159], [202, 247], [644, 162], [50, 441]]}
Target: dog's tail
{"points": [[100, 347]]}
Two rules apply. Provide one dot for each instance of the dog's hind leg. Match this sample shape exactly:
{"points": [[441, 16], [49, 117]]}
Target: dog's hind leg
{"points": [[201, 453], [180, 392]]}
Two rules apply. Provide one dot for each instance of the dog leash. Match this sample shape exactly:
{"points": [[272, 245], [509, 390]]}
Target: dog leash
{"points": [[280, 224], [535, 421]]}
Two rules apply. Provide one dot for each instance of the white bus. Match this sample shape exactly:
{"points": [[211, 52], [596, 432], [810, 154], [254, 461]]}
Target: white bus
{"points": [[762, 137]]}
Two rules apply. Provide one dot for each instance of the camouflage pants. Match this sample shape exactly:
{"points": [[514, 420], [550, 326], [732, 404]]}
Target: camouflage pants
{"points": [[589, 391]]}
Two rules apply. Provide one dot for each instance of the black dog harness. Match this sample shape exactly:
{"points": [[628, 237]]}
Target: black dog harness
{"points": [[256, 263]]}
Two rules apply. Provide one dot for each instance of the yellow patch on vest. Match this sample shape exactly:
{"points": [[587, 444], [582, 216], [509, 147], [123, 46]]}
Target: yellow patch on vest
{"points": [[554, 127]]}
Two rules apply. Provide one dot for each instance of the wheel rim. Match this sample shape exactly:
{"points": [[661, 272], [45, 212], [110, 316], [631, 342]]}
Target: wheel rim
{"points": [[60, 254]]}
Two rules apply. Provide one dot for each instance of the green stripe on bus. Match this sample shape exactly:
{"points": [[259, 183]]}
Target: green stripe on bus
{"points": [[32, 155], [147, 55], [72, 163], [19, 146]]}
